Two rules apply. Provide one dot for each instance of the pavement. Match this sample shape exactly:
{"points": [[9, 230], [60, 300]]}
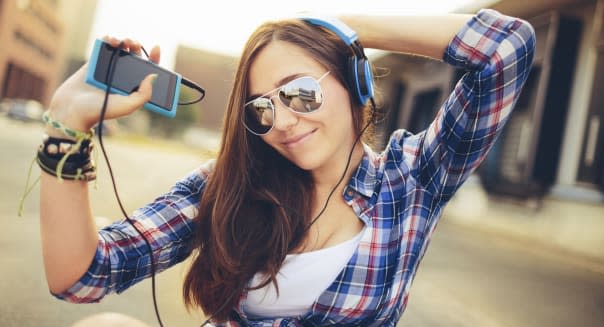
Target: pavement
{"points": [[570, 228], [473, 274]]}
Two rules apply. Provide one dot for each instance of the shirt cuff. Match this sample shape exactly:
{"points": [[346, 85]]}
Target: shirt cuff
{"points": [[474, 45], [91, 286]]}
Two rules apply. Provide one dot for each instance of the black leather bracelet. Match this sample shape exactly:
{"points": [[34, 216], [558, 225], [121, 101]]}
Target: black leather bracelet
{"points": [[69, 165], [72, 156], [58, 147], [70, 171]]}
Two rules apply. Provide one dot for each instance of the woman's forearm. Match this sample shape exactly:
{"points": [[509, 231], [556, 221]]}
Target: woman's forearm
{"points": [[420, 35], [68, 233]]}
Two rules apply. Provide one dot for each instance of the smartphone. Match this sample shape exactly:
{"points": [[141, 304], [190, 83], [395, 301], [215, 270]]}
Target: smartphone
{"points": [[129, 71]]}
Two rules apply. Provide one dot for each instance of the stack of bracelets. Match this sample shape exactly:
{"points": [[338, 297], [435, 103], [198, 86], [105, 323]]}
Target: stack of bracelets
{"points": [[67, 158]]}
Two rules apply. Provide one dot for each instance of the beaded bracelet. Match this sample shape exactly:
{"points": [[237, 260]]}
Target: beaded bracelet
{"points": [[63, 158], [80, 138], [58, 147]]}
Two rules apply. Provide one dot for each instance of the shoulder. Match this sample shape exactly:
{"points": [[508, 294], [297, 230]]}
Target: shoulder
{"points": [[403, 145], [399, 156], [196, 179]]}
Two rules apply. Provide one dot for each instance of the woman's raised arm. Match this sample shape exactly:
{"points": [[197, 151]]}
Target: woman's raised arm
{"points": [[420, 35], [68, 233]]}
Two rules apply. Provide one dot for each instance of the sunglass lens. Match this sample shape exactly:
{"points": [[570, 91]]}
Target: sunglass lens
{"points": [[259, 115], [302, 94]]}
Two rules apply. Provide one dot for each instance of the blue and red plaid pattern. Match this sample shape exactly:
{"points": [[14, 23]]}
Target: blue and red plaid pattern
{"points": [[399, 193]]}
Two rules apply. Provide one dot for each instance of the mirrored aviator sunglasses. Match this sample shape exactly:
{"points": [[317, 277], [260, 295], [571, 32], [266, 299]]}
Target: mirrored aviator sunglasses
{"points": [[302, 95]]}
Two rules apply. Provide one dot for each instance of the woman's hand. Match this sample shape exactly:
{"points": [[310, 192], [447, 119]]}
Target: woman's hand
{"points": [[77, 104]]}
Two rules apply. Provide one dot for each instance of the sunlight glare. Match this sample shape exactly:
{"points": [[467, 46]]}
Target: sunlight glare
{"points": [[223, 26]]}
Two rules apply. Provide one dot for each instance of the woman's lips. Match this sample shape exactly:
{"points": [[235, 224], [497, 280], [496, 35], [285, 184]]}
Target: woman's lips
{"points": [[297, 140]]}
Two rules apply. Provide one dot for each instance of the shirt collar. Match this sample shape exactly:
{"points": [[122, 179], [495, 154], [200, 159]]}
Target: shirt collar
{"points": [[366, 177]]}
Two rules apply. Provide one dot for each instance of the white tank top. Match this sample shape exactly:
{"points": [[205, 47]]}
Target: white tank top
{"points": [[302, 278]]}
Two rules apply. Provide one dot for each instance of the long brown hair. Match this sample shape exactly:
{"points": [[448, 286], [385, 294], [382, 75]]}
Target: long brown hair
{"points": [[256, 206]]}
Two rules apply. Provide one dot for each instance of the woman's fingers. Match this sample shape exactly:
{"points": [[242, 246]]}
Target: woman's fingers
{"points": [[145, 90], [133, 46], [111, 40], [124, 105], [154, 55], [125, 44], [74, 93]]}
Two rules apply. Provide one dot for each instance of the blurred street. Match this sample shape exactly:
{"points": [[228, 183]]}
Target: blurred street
{"points": [[468, 277]]}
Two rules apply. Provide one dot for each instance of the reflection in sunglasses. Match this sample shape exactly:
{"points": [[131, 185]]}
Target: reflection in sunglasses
{"points": [[301, 95]]}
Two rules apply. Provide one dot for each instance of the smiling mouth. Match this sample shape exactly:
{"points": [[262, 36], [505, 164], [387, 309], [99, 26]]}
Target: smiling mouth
{"points": [[291, 142]]}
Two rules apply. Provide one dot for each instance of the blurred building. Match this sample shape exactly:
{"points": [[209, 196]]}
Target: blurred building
{"points": [[41, 43], [31, 44], [544, 178], [212, 71], [77, 17], [554, 141]]}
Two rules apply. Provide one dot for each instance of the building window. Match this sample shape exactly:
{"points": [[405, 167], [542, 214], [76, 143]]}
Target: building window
{"points": [[22, 84], [525, 159], [591, 166], [20, 36], [424, 109], [40, 15]]}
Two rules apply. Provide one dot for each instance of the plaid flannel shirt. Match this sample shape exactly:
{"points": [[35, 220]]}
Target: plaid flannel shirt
{"points": [[398, 193]]}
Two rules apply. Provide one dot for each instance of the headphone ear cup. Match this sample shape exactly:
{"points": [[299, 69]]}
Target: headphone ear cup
{"points": [[352, 78], [361, 78], [365, 78]]}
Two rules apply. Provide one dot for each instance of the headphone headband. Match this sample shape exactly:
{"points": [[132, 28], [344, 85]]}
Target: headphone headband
{"points": [[347, 34], [359, 69]]}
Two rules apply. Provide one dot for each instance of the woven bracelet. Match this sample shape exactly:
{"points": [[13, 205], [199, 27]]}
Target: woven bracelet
{"points": [[63, 158], [66, 130], [80, 138]]}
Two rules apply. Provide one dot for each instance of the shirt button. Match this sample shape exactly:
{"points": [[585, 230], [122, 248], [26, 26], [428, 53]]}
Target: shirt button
{"points": [[349, 192]]}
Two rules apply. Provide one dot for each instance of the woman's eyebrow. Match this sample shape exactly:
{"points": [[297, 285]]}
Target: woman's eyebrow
{"points": [[278, 84], [288, 79]]}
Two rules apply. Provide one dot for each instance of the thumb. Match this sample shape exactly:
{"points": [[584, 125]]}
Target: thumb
{"points": [[145, 90], [125, 105]]}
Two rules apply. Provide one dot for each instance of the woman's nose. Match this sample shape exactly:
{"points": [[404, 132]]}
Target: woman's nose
{"points": [[284, 117]]}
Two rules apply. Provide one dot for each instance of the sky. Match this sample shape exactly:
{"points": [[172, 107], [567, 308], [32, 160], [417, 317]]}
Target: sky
{"points": [[224, 25]]}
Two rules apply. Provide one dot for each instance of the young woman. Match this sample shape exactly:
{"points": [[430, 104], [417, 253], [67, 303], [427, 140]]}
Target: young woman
{"points": [[270, 246]]}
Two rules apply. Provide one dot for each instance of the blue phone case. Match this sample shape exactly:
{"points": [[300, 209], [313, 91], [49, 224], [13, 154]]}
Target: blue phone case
{"points": [[169, 112]]}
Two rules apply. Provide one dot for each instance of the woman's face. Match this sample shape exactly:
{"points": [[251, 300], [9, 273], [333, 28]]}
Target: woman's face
{"points": [[315, 140]]}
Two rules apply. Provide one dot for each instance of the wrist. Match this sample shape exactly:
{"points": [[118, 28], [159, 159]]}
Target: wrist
{"points": [[67, 158], [58, 128], [52, 132], [68, 119]]}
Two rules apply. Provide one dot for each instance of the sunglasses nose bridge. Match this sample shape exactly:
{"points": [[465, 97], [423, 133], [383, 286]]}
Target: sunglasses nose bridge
{"points": [[285, 117]]}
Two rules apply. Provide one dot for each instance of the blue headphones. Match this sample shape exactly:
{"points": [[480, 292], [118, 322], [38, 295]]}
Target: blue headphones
{"points": [[360, 76]]}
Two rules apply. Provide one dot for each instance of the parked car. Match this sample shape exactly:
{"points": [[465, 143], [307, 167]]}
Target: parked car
{"points": [[3, 107], [23, 109]]}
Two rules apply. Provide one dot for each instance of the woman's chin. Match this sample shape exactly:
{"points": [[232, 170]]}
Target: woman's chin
{"points": [[306, 163]]}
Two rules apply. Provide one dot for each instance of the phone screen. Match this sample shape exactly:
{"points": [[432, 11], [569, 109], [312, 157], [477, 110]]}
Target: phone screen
{"points": [[129, 72]]}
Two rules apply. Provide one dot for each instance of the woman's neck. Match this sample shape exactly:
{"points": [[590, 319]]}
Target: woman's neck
{"points": [[328, 175]]}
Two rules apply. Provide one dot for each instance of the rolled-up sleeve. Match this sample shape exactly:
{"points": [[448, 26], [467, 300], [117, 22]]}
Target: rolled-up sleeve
{"points": [[496, 51], [122, 258]]}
